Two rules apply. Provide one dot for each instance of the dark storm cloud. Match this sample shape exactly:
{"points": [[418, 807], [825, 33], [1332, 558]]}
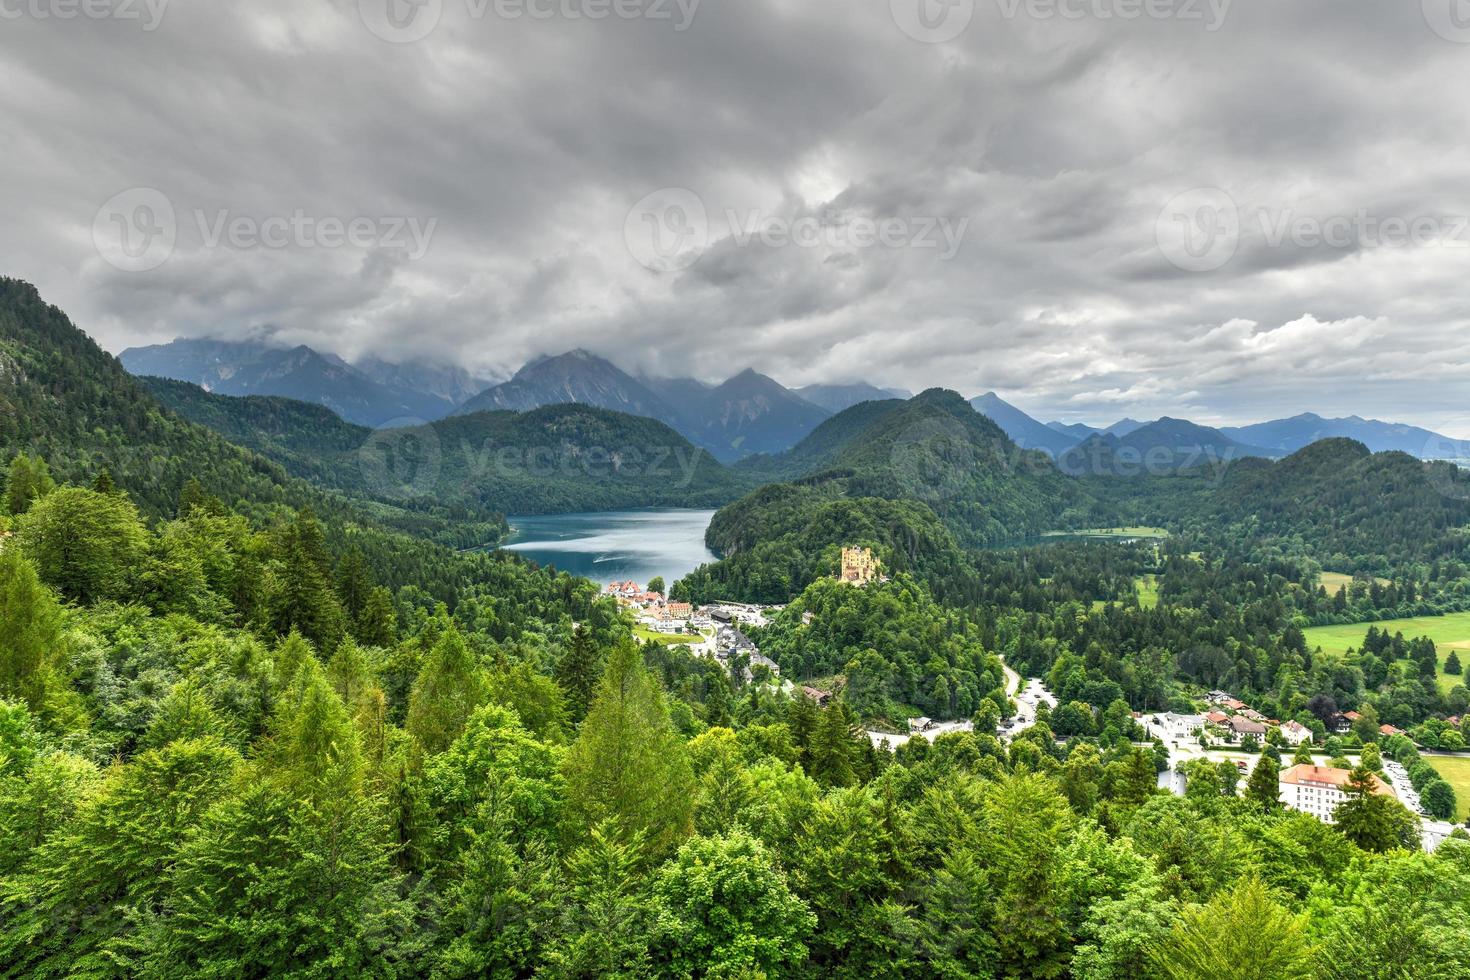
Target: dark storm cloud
{"points": [[1051, 145]]}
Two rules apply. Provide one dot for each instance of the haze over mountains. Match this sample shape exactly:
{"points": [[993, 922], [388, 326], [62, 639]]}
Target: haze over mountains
{"points": [[748, 415], [1071, 443]]}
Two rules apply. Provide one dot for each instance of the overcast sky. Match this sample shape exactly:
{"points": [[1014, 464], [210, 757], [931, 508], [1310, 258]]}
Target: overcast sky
{"points": [[1229, 211]]}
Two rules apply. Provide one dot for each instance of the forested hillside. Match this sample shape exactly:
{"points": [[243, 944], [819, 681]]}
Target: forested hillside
{"points": [[557, 459], [251, 726]]}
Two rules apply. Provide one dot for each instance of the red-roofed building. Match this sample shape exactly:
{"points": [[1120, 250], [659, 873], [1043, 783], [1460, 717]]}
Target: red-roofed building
{"points": [[1319, 790]]}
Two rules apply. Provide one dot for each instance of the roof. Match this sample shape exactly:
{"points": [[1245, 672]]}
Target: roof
{"points": [[1305, 775], [1294, 726], [1217, 717], [1247, 727]]}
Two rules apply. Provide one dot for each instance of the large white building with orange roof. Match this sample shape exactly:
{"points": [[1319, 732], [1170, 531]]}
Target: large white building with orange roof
{"points": [[1319, 790]]}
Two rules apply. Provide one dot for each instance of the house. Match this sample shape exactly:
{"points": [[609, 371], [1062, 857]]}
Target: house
{"points": [[1341, 724], [1217, 718], [1318, 790], [1178, 728], [1218, 697], [1296, 733], [1351, 716], [1231, 704], [820, 697], [1241, 727], [1390, 730], [1253, 715], [917, 725]]}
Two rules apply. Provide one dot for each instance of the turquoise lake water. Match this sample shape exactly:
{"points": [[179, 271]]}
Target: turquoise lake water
{"points": [[617, 545]]}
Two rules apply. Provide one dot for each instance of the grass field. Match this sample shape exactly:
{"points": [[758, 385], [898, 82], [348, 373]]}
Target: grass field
{"points": [[1332, 581], [667, 639], [1148, 591], [1450, 632], [1456, 772], [1111, 532]]}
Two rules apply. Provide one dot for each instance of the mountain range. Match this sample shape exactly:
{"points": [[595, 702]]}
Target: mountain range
{"points": [[372, 393], [748, 416], [1072, 444]]}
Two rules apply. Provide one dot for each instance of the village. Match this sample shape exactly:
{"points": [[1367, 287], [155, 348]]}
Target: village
{"points": [[1232, 731]]}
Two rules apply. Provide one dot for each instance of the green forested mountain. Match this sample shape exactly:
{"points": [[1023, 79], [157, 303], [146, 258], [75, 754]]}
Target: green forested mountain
{"points": [[556, 459], [250, 727]]}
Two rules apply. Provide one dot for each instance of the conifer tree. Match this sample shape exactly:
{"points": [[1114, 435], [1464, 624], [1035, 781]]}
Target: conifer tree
{"points": [[578, 672], [450, 686], [1264, 786], [628, 769], [30, 633], [378, 625]]}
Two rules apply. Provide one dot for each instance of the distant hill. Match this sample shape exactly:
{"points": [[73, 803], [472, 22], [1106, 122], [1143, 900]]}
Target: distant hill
{"points": [[1024, 430], [751, 414], [1076, 430], [1285, 436], [300, 373], [836, 398], [1165, 446], [747, 415], [574, 378], [555, 459]]}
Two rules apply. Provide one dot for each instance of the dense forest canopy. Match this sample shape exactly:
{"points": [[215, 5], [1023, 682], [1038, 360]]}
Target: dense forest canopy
{"points": [[259, 719]]}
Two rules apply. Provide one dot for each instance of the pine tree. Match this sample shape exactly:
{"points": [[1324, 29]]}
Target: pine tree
{"points": [[628, 768], [102, 483], [578, 671], [1264, 786], [833, 749], [29, 480], [450, 686], [378, 625], [30, 633], [354, 584], [1452, 664], [1303, 756], [1373, 821]]}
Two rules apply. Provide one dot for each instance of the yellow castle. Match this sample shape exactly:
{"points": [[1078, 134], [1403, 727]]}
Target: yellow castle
{"points": [[859, 566]]}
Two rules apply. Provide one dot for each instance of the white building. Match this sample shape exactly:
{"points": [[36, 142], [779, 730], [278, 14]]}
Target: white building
{"points": [[1319, 790], [1178, 728], [1296, 733]]}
